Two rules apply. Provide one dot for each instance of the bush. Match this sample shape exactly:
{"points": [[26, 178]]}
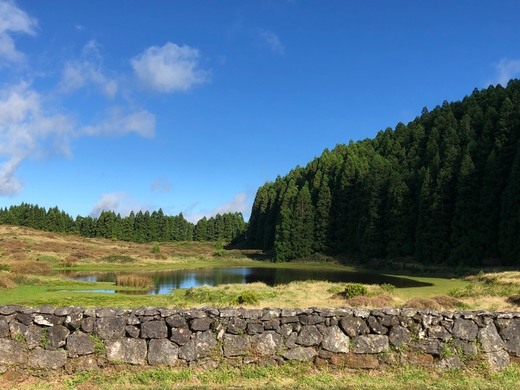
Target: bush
{"points": [[6, 281], [377, 301], [156, 249], [354, 290], [248, 297]]}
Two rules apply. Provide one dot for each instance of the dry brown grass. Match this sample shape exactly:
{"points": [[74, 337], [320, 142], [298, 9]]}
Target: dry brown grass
{"points": [[6, 280], [135, 281], [378, 301], [30, 267], [442, 302]]}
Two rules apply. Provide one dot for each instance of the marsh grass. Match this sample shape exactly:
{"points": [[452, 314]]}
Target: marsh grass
{"points": [[6, 280], [135, 281], [121, 259]]}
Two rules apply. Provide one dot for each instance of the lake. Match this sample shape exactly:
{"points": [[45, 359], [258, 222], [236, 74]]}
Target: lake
{"points": [[166, 281]]}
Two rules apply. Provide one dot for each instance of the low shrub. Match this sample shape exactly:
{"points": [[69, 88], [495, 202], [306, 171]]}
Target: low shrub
{"points": [[135, 281], [423, 303], [248, 297], [514, 300], [354, 290], [5, 267], [123, 259]]}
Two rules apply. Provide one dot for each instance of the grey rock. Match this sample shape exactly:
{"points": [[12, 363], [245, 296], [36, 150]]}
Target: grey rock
{"points": [[25, 319], [4, 329], [46, 319], [399, 336], [375, 326], [310, 319], [87, 324], [389, 320], [285, 330], [253, 314], [45, 309], [510, 331], [162, 352], [125, 350], [439, 332], [236, 326], [468, 349], [133, 320], [16, 328], [110, 327], [254, 328], [273, 324], [79, 344], [154, 330], [464, 329], [195, 313], [498, 360], [180, 336], [33, 336], [176, 321], [10, 309], [270, 314], [268, 343], [370, 344], [290, 342], [49, 360], [353, 326], [432, 347], [132, 331], [334, 340], [74, 319], [361, 312], [105, 312], [450, 363], [490, 340], [229, 313], [12, 352], [201, 324], [309, 336], [236, 345], [89, 312], [56, 337], [288, 320], [300, 353], [288, 313], [200, 346]]}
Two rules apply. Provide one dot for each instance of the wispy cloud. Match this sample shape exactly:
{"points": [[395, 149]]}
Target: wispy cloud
{"points": [[238, 204], [28, 129], [121, 121], [88, 69], [13, 20], [169, 68], [271, 40], [119, 203], [161, 185], [505, 70]]}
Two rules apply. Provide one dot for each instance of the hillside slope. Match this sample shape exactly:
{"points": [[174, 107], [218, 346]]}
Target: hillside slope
{"points": [[445, 188]]}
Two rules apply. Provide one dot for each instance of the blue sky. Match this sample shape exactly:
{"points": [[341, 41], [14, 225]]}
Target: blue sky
{"points": [[190, 106]]}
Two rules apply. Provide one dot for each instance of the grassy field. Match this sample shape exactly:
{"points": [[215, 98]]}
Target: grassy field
{"points": [[297, 376], [29, 260]]}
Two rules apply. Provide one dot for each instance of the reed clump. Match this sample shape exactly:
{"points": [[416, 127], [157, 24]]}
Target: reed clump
{"points": [[135, 281]]}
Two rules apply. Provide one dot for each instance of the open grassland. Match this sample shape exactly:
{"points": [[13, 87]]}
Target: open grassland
{"points": [[296, 376], [30, 259]]}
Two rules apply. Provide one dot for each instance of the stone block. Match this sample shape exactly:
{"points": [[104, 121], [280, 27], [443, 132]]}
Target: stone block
{"points": [[370, 344], [236, 345], [300, 354], [48, 360], [110, 327], [79, 344], [154, 330], [126, 350], [200, 346], [334, 340], [162, 352], [309, 336], [354, 326]]}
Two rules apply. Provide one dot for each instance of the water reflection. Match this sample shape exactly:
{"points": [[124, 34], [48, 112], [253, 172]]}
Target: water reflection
{"points": [[165, 281]]}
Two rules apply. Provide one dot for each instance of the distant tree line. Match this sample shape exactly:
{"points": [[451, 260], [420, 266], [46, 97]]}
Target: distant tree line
{"points": [[137, 227], [445, 188]]}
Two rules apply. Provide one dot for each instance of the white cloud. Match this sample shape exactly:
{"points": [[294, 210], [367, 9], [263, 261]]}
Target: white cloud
{"points": [[28, 130], [13, 20], [119, 203], [88, 69], [169, 68], [161, 185], [238, 204], [506, 70], [272, 41], [119, 122]]}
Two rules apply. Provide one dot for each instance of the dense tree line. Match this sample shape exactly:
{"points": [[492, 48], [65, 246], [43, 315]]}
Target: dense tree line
{"points": [[138, 227], [445, 188]]}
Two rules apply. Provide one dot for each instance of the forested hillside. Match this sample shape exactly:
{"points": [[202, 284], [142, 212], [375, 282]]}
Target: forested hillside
{"points": [[445, 188], [138, 227]]}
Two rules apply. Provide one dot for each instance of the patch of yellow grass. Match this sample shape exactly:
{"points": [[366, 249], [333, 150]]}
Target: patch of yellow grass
{"points": [[136, 281]]}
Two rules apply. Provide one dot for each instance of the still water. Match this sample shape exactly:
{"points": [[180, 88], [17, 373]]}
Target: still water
{"points": [[165, 281]]}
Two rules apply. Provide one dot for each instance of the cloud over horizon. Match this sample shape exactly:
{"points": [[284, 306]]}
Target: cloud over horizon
{"points": [[119, 203], [506, 69], [238, 204], [169, 68]]}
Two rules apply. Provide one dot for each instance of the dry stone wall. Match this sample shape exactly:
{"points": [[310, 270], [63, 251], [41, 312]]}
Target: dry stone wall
{"points": [[77, 339]]}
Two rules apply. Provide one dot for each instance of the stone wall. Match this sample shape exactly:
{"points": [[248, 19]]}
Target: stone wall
{"points": [[77, 339]]}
